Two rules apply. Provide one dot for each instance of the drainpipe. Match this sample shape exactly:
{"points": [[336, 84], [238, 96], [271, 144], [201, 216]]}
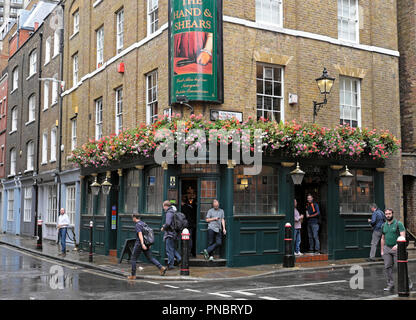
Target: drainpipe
{"points": [[60, 77], [36, 187]]}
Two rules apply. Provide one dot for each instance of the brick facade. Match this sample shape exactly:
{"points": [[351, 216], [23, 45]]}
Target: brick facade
{"points": [[246, 43]]}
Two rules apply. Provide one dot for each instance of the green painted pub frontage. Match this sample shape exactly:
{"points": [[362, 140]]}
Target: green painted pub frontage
{"points": [[256, 208]]}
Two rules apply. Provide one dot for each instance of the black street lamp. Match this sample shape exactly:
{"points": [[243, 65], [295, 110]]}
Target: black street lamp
{"points": [[325, 84]]}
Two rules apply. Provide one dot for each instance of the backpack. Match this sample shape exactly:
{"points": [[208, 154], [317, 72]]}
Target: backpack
{"points": [[179, 222], [148, 235]]}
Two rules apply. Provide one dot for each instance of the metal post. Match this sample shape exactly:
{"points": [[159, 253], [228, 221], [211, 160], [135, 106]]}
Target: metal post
{"points": [[403, 278], [185, 252], [289, 258], [90, 254], [39, 243]]}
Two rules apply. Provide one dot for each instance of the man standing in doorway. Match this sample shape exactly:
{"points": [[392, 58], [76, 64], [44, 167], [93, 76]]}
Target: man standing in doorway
{"points": [[312, 214], [215, 219], [376, 221], [62, 226]]}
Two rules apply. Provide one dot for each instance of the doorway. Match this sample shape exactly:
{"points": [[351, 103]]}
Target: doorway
{"points": [[189, 207], [315, 185]]}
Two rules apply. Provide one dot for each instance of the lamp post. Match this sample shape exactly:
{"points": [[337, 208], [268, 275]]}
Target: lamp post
{"points": [[297, 175], [325, 84], [95, 187], [106, 185], [346, 177]]}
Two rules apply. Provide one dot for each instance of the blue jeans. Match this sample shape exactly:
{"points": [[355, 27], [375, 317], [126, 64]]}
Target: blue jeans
{"points": [[137, 250], [313, 229], [171, 252], [297, 240], [62, 234], [214, 240]]}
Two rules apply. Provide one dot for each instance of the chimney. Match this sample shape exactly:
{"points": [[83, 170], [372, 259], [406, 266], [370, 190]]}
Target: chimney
{"points": [[36, 25]]}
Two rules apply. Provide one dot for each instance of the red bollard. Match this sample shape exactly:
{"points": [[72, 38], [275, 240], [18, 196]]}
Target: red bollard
{"points": [[289, 258], [185, 252], [39, 243], [402, 272]]}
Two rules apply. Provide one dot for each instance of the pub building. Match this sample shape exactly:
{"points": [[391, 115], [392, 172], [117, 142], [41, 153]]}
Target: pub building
{"points": [[253, 68], [256, 207]]}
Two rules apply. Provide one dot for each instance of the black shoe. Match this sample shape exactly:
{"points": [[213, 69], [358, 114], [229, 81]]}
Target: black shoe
{"points": [[371, 260], [389, 288]]}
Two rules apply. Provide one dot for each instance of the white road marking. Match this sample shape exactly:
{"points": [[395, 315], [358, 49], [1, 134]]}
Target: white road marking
{"points": [[173, 287], [289, 286], [192, 290], [268, 298], [221, 295], [151, 282], [245, 293], [241, 299]]}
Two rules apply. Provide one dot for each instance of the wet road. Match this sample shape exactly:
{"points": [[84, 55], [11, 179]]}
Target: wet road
{"points": [[29, 277]]}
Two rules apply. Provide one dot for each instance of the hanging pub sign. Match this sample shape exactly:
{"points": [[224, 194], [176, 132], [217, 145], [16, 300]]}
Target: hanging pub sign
{"points": [[195, 51]]}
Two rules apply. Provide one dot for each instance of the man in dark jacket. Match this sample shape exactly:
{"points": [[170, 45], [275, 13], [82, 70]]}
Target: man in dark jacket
{"points": [[170, 237], [376, 221], [312, 214]]}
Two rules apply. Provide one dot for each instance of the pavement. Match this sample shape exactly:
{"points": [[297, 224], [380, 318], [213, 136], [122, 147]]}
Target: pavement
{"points": [[110, 265]]}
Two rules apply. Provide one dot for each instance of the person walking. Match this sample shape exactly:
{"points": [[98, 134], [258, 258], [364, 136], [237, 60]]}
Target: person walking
{"points": [[377, 220], [139, 247], [391, 230], [62, 226], [298, 227], [312, 214], [170, 236], [215, 219]]}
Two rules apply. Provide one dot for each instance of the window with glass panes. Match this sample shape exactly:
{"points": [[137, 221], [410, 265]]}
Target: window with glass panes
{"points": [[70, 203], [27, 204], [256, 195], [120, 30], [98, 119], [151, 97], [13, 161], [269, 11], [132, 192], [348, 20], [100, 47], [154, 190], [10, 205], [359, 195], [152, 16], [73, 134], [269, 92], [52, 205], [119, 110], [350, 101]]}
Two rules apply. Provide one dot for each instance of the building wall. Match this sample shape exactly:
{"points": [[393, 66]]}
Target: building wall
{"points": [[374, 60]]}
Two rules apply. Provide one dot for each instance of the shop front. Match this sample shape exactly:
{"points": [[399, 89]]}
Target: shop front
{"points": [[256, 207]]}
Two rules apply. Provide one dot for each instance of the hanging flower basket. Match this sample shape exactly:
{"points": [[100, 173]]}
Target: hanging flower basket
{"points": [[291, 139]]}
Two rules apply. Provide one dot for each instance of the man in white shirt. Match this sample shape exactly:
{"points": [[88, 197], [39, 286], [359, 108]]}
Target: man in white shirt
{"points": [[63, 224]]}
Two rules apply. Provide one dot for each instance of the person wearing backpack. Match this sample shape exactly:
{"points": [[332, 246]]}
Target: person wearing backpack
{"points": [[171, 235], [377, 220], [391, 230], [141, 246], [215, 219]]}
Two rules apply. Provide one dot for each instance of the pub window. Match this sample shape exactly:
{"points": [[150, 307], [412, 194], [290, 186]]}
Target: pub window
{"points": [[154, 190], [269, 92], [132, 191], [89, 200], [350, 102], [359, 195], [256, 195]]}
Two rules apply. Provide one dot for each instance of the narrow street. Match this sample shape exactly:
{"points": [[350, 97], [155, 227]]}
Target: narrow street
{"points": [[25, 276]]}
